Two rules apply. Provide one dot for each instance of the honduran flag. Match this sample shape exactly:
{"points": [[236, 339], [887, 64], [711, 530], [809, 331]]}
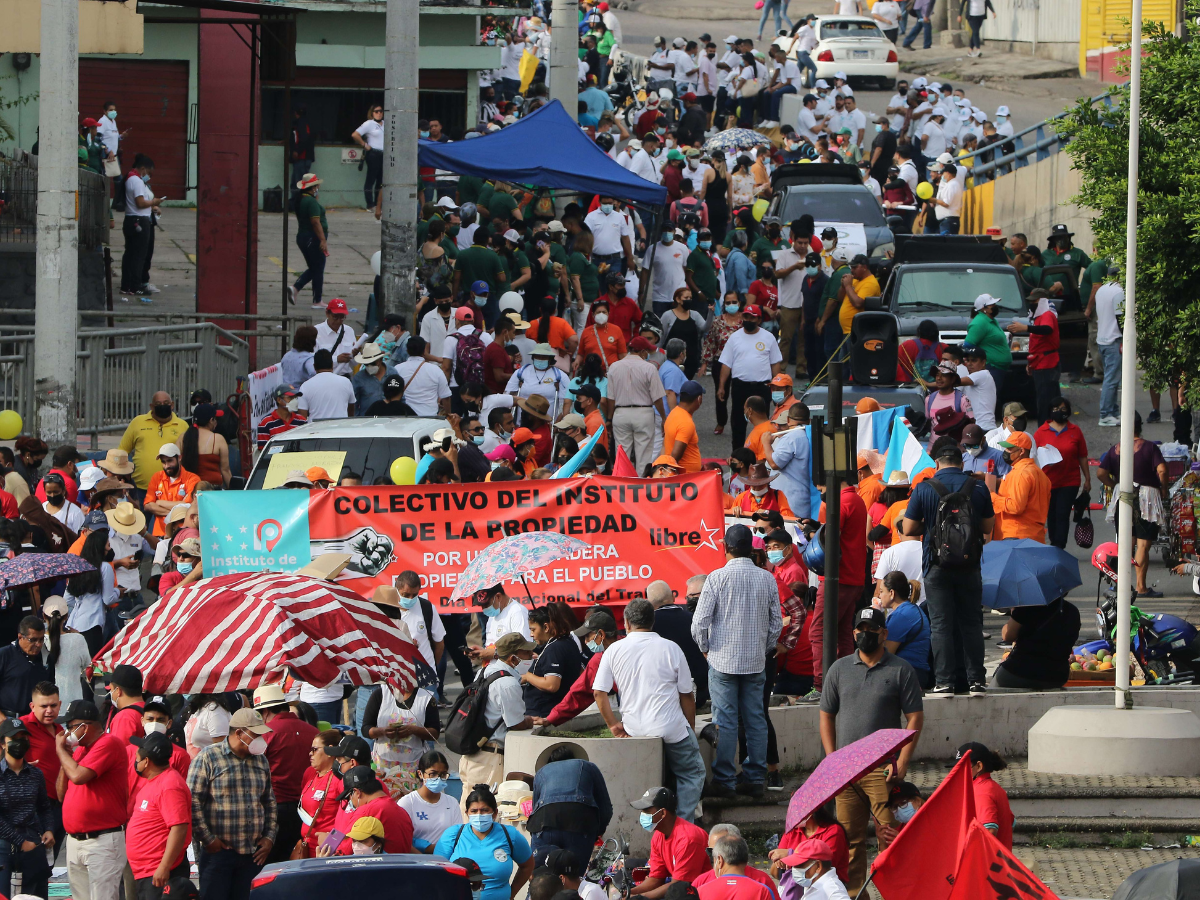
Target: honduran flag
{"points": [[905, 452], [875, 428]]}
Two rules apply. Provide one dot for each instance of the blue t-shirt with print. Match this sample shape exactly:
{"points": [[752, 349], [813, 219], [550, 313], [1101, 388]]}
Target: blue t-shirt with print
{"points": [[497, 854]]}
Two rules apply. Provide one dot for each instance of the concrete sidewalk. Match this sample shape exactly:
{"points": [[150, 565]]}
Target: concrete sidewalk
{"points": [[953, 63]]}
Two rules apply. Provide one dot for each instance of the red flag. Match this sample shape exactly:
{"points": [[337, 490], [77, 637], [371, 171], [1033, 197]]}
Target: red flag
{"points": [[622, 467], [989, 871], [921, 862]]}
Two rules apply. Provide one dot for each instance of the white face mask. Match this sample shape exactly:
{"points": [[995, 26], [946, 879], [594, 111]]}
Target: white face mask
{"points": [[759, 491], [293, 404], [373, 369], [523, 666], [358, 848], [257, 746], [601, 318], [73, 739], [154, 727]]}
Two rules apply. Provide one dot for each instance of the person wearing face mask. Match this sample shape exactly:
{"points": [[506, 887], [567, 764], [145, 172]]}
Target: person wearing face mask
{"points": [[855, 704], [1068, 475], [601, 336], [904, 801], [234, 816], [26, 814], [156, 719], [822, 826], [369, 800], [126, 708], [312, 236], [1022, 501], [432, 809], [983, 332], [678, 849], [402, 725], [473, 464], [160, 821], [57, 504], [500, 851], [145, 434], [95, 802], [92, 592], [504, 616], [611, 235], [1014, 418], [812, 871], [284, 417], [141, 210], [557, 666], [368, 380], [979, 457], [749, 361], [288, 745], [598, 632]]}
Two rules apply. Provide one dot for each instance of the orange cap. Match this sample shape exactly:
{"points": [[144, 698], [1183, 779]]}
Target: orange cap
{"points": [[866, 405], [316, 473], [782, 380], [666, 460], [1018, 439], [922, 475], [522, 436]]}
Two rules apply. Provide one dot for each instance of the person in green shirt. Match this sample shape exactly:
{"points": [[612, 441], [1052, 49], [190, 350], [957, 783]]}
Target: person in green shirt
{"points": [[989, 337], [828, 327], [1093, 279], [604, 39], [767, 243], [1061, 252], [479, 263], [503, 205], [517, 262], [700, 272], [484, 200], [312, 234], [469, 188], [583, 275]]}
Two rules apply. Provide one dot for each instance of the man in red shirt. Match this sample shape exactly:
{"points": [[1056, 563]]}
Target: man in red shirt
{"points": [[125, 713], [852, 575], [370, 798], [160, 817], [677, 847], [288, 746], [156, 718], [730, 879], [599, 632], [42, 722], [497, 363], [722, 832], [94, 803], [284, 417]]}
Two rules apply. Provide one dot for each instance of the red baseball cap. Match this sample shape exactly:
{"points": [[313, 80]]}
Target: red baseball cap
{"points": [[753, 310], [90, 123], [464, 314], [337, 306], [807, 851]]}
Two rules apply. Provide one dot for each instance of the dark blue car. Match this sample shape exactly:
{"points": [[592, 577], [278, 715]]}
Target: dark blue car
{"points": [[417, 875]]}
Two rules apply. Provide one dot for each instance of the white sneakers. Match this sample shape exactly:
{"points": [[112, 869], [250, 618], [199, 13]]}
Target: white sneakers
{"points": [[1109, 422]]}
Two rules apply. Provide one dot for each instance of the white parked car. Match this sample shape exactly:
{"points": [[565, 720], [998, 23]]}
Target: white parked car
{"points": [[857, 46]]}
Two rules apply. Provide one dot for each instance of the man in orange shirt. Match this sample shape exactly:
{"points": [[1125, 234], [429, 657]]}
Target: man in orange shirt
{"points": [[587, 404], [782, 394], [680, 438], [174, 484], [1022, 502], [755, 409], [760, 495], [870, 481]]}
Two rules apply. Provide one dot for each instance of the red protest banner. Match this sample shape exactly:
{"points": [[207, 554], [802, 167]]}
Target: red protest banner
{"points": [[640, 530], [921, 862], [988, 871]]}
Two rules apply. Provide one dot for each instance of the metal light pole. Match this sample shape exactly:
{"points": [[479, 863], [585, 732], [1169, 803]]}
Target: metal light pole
{"points": [[833, 521], [1127, 497], [57, 298], [564, 55], [400, 95]]}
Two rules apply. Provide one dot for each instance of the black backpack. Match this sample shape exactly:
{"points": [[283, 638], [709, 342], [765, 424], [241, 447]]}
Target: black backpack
{"points": [[957, 535], [467, 729]]}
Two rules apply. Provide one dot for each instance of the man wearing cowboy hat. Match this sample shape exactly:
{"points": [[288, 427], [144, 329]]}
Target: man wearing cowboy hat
{"points": [[759, 494], [536, 417], [312, 235], [288, 746], [368, 380], [1061, 252], [115, 463], [173, 484]]}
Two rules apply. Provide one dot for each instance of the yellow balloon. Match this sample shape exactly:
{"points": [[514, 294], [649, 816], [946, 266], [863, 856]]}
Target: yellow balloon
{"points": [[759, 209], [924, 190], [10, 424], [403, 471]]}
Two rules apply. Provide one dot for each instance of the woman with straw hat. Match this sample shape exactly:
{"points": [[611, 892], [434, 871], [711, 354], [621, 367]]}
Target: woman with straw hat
{"points": [[312, 234]]}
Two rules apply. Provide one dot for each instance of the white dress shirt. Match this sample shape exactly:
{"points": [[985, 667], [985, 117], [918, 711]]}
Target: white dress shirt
{"points": [[642, 164], [607, 231], [434, 329], [371, 132], [514, 617], [652, 672], [424, 385], [327, 338]]}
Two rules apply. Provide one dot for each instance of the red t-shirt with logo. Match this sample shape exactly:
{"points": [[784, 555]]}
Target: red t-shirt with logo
{"points": [[158, 805], [683, 856], [181, 761], [99, 804]]}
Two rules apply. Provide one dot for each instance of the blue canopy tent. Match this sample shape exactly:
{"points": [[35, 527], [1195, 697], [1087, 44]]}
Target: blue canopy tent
{"points": [[544, 149]]}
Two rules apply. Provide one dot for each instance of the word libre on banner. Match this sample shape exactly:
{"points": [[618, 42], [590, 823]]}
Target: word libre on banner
{"points": [[249, 531], [639, 530]]}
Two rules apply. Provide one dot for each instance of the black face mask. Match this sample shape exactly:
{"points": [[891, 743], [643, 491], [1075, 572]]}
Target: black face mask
{"points": [[750, 327], [109, 556], [17, 748], [1060, 416], [56, 500], [1019, 423], [619, 292], [443, 306], [162, 410], [1007, 458], [575, 406], [867, 641]]}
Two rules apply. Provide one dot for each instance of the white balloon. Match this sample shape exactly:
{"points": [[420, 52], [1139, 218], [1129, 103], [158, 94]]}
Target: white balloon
{"points": [[377, 261]]}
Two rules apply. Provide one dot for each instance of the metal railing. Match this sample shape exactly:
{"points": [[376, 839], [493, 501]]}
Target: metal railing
{"points": [[118, 370], [1046, 141], [18, 209]]}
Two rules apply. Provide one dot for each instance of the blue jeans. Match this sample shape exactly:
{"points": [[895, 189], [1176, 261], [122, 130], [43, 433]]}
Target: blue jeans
{"points": [[226, 875], [1110, 355], [954, 598], [34, 861], [949, 225], [776, 100], [769, 7], [310, 247], [687, 765], [330, 712], [916, 29], [363, 696], [998, 376], [833, 337], [579, 844], [805, 60], [733, 696]]}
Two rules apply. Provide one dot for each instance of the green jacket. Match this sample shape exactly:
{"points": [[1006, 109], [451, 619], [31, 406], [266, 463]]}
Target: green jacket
{"points": [[992, 339]]}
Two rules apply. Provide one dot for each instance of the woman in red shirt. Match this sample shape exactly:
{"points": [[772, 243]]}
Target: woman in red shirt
{"points": [[600, 336], [820, 826], [991, 803], [765, 292], [1043, 351], [1068, 476], [318, 797]]}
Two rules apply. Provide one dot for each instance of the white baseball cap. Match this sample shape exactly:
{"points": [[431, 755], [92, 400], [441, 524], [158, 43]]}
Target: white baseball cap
{"points": [[841, 75], [679, 43], [447, 203], [985, 300], [945, 158], [512, 235], [919, 82], [978, 116], [1002, 110], [938, 110], [935, 86], [822, 84], [732, 39], [169, 450]]}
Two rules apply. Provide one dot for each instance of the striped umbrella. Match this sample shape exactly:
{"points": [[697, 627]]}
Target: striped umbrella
{"points": [[238, 631]]}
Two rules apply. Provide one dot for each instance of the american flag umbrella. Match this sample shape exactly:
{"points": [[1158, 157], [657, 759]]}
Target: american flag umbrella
{"points": [[238, 631], [513, 558], [30, 568], [842, 767]]}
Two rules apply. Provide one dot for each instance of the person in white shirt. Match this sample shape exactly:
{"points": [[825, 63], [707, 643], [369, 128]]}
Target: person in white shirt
{"points": [[326, 395], [504, 616], [57, 503], [541, 376], [504, 710], [751, 358], [707, 78], [464, 317], [904, 555], [431, 807], [948, 202], [846, 7], [642, 162], [784, 80], [908, 169], [369, 136], [1109, 303], [426, 390], [1004, 127], [824, 99], [933, 138], [611, 22], [510, 68], [657, 699], [806, 122], [805, 43], [979, 387], [110, 134], [871, 183], [685, 67], [337, 336], [887, 14], [854, 119], [429, 640], [138, 228], [611, 235], [666, 269], [897, 106], [813, 861], [438, 322]]}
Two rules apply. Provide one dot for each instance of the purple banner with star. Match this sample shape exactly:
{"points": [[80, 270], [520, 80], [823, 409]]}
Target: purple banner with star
{"points": [[254, 531]]}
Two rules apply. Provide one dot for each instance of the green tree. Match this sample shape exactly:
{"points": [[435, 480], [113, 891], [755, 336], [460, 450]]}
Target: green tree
{"points": [[1168, 220]]}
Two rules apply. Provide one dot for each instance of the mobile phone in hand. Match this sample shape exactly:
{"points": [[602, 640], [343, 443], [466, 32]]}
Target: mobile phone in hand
{"points": [[333, 840]]}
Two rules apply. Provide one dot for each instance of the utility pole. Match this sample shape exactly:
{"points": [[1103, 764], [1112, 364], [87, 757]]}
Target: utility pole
{"points": [[57, 299], [833, 519], [399, 244], [564, 56]]}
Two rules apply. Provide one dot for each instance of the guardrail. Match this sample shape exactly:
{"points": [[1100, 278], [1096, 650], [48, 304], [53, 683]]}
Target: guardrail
{"points": [[119, 370], [1046, 142]]}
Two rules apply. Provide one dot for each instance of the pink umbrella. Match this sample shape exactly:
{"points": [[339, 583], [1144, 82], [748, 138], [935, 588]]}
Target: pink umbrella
{"points": [[513, 558], [842, 767]]}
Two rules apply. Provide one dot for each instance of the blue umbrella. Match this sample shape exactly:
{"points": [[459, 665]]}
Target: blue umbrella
{"points": [[1021, 572], [735, 139], [30, 568]]}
